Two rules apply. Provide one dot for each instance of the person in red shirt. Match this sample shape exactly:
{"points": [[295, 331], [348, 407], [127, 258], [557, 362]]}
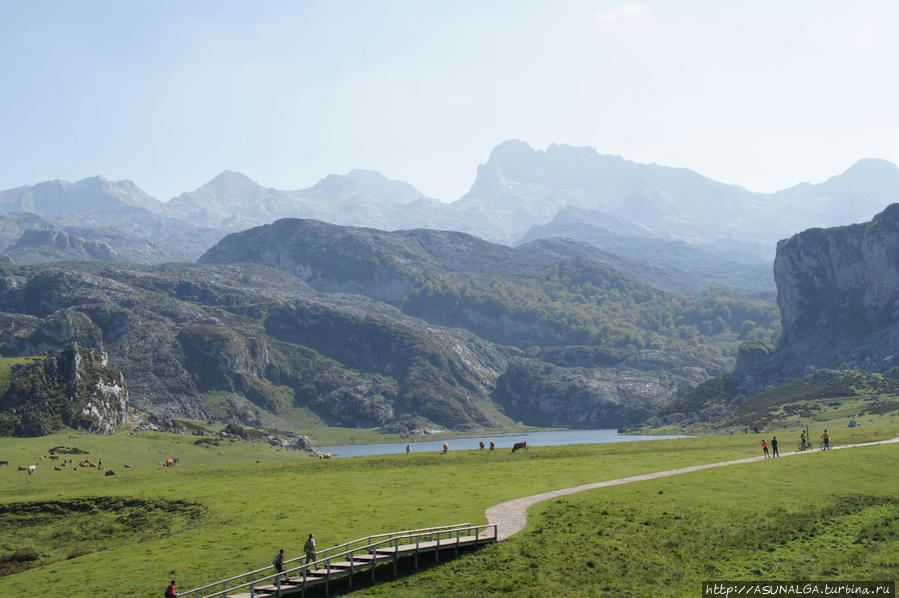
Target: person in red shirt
{"points": [[170, 591], [765, 448]]}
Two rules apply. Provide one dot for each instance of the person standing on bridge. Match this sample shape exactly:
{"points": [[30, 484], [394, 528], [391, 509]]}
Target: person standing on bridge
{"points": [[170, 591], [279, 564], [309, 549]]}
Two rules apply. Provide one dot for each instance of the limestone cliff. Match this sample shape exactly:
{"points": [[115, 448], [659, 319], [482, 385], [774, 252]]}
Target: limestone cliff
{"points": [[838, 292], [72, 387]]}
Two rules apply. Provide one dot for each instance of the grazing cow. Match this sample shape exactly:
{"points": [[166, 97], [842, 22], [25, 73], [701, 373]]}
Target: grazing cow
{"points": [[57, 468], [481, 445], [408, 450], [445, 448], [75, 468], [523, 446], [324, 455], [127, 466], [492, 445], [32, 469], [54, 457], [4, 463], [22, 468]]}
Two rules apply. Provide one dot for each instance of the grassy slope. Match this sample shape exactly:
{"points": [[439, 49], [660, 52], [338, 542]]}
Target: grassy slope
{"points": [[251, 509]]}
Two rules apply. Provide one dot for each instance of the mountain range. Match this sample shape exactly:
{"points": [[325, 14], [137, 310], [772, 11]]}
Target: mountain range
{"points": [[710, 234]]}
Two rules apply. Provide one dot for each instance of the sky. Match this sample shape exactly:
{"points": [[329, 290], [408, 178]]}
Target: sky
{"points": [[763, 94]]}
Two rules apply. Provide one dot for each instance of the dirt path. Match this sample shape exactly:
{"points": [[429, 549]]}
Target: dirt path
{"points": [[511, 516]]}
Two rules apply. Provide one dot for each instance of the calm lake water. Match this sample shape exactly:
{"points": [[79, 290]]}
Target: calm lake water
{"points": [[503, 441]]}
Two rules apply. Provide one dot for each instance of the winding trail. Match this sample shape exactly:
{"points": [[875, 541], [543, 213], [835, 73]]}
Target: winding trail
{"points": [[511, 516]]}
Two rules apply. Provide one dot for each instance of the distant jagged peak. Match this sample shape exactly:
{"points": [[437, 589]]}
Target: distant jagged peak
{"points": [[369, 183], [872, 166], [231, 181], [561, 166]]}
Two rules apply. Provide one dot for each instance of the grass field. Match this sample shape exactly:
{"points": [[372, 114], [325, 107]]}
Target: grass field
{"points": [[228, 508]]}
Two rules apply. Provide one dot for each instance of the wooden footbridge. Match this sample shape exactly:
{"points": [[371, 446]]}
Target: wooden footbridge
{"points": [[349, 560]]}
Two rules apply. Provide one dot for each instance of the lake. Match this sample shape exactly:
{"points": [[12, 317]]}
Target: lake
{"points": [[503, 441]]}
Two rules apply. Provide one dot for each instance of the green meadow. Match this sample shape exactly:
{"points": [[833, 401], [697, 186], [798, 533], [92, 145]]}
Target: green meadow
{"points": [[228, 508]]}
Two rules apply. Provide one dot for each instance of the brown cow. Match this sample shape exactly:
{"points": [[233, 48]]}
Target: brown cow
{"points": [[57, 468], [481, 445], [54, 457], [519, 446], [492, 445], [445, 448], [127, 466], [22, 468], [4, 463]]}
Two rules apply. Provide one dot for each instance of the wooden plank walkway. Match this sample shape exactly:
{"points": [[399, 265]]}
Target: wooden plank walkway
{"points": [[344, 562]]}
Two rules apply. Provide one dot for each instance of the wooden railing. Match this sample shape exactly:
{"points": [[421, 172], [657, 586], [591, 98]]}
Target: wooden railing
{"points": [[445, 537]]}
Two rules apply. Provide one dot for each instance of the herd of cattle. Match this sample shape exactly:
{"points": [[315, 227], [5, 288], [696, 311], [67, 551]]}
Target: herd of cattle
{"points": [[65, 463], [87, 463]]}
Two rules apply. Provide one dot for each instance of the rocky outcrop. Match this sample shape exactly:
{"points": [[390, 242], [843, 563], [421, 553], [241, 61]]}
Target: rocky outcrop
{"points": [[593, 387], [846, 277], [838, 292], [73, 387]]}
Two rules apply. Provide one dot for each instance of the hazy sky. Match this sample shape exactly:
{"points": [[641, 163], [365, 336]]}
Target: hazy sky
{"points": [[169, 93]]}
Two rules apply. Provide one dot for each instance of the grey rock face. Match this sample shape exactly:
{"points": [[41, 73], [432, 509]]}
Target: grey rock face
{"points": [[846, 277], [74, 387]]}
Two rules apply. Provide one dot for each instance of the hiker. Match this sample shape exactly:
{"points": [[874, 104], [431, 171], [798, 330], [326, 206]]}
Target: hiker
{"points": [[765, 447], [802, 441], [408, 450], [279, 564], [170, 591], [826, 438], [309, 549], [774, 452]]}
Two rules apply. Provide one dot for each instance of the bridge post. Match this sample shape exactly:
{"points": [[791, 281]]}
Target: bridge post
{"points": [[456, 553], [437, 551], [351, 570], [396, 554], [252, 586], [417, 540], [328, 578]]}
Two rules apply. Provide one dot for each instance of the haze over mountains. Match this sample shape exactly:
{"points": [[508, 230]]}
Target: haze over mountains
{"points": [[566, 287], [718, 234]]}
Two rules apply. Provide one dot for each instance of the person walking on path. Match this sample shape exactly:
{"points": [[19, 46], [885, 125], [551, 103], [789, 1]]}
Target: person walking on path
{"points": [[826, 438], [279, 564], [170, 591], [765, 447], [774, 452], [309, 549]]}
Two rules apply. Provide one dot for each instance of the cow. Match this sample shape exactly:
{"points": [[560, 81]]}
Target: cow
{"points": [[32, 469], [492, 445], [481, 445], [324, 455], [445, 448], [57, 468], [127, 466], [523, 446], [22, 468], [4, 463], [54, 457]]}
